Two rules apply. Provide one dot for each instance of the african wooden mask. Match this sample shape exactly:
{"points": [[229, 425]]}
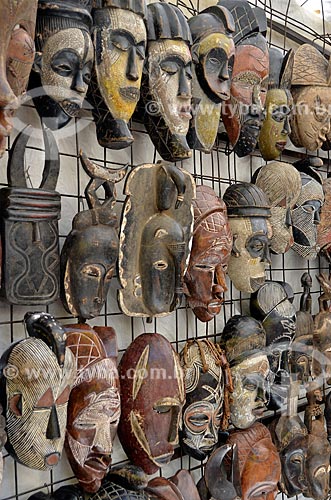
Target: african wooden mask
{"points": [[243, 340], [90, 250], [322, 333], [213, 56], [68, 492], [207, 385], [29, 228], [64, 60], [16, 58], [210, 253], [306, 214], [154, 239], [281, 183], [119, 36], [259, 463], [311, 91], [249, 213], [275, 127], [152, 398], [318, 462], [166, 88], [290, 437], [3, 439], [178, 487], [272, 305], [324, 227], [35, 405], [94, 403]]}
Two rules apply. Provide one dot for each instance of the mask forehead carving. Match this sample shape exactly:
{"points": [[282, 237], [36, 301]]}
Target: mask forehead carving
{"points": [[35, 405], [151, 412], [94, 406], [120, 45], [248, 212], [281, 183], [210, 253], [90, 251], [152, 265], [30, 229], [244, 340], [310, 88], [166, 89], [207, 385], [16, 58]]}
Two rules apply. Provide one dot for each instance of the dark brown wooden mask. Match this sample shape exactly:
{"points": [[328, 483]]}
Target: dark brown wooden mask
{"points": [[166, 87], [259, 463], [94, 404], [90, 250], [29, 229], [16, 58], [37, 374], [152, 398], [120, 43], [178, 487], [207, 385], [126, 482], [154, 239], [324, 227], [68, 492], [210, 253]]}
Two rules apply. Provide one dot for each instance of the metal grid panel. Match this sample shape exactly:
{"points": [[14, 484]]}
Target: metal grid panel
{"points": [[218, 170]]}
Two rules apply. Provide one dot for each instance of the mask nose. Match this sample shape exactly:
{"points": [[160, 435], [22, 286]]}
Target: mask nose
{"points": [[132, 70], [78, 83], [317, 217], [287, 126], [53, 428], [283, 367], [266, 257], [183, 86], [288, 218], [224, 73], [260, 396]]}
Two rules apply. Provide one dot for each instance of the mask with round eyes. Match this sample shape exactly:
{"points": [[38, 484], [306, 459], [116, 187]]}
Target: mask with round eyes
{"points": [[17, 55], [90, 251], [94, 404], [210, 253], [35, 405], [310, 88], [207, 387], [248, 213], [64, 60], [119, 36], [213, 57], [166, 87]]}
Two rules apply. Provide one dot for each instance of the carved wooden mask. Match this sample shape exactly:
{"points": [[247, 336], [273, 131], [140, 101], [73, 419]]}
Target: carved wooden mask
{"points": [[90, 250], [166, 88], [249, 213], [119, 36], [322, 335], [210, 253], [68, 492], [152, 398], [324, 227], [64, 60], [16, 58], [259, 463], [207, 386], [94, 403], [311, 91], [154, 239], [213, 57], [275, 127], [318, 462], [281, 183], [178, 487], [3, 439], [30, 267], [243, 340], [35, 405]]}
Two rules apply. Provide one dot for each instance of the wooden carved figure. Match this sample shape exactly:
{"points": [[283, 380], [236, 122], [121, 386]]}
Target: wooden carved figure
{"points": [[275, 127], [324, 227], [90, 250], [29, 228], [249, 214], [213, 57], [119, 36], [17, 53], [166, 88], [35, 406], [322, 333], [243, 340], [210, 253], [208, 385], [281, 183], [94, 403], [154, 239], [311, 92], [152, 398], [64, 60]]}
